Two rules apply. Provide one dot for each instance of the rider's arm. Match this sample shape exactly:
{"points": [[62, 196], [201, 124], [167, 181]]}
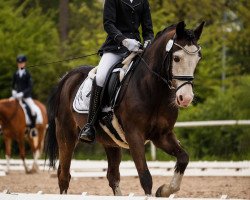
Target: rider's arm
{"points": [[28, 89], [147, 25], [109, 20], [14, 82]]}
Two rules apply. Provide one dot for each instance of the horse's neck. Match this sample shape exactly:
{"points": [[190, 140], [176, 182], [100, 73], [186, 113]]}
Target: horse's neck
{"points": [[7, 108], [148, 87]]}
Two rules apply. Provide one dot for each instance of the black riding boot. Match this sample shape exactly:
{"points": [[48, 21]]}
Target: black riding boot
{"points": [[87, 134], [33, 121], [33, 130]]}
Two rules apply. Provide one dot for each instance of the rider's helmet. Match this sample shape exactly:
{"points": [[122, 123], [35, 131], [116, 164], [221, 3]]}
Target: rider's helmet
{"points": [[21, 58]]}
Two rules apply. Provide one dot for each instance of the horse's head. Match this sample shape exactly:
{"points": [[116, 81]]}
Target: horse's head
{"points": [[181, 52], [185, 57]]}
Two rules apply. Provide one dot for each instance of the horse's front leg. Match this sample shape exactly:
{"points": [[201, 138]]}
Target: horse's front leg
{"points": [[137, 150], [113, 174], [170, 145]]}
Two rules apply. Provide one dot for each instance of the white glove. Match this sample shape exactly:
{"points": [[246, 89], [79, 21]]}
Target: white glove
{"points": [[13, 92], [131, 44], [19, 95]]}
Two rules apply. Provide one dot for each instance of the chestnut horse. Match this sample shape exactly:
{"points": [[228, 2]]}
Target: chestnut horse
{"points": [[12, 120], [147, 110]]}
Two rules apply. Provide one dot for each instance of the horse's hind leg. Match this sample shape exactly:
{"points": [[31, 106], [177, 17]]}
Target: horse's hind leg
{"points": [[170, 145], [113, 174], [8, 143], [22, 155], [66, 139]]}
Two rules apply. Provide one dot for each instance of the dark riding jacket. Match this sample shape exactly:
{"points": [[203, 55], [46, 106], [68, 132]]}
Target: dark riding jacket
{"points": [[22, 84], [122, 19]]}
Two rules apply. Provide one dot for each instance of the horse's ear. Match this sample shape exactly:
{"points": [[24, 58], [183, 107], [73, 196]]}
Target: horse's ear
{"points": [[180, 29], [198, 30]]}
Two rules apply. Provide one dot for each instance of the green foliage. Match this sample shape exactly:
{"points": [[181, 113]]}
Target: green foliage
{"points": [[32, 34], [222, 142]]}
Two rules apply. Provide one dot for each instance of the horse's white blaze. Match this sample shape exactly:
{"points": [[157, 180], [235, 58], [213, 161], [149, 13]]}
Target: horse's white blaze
{"points": [[184, 67]]}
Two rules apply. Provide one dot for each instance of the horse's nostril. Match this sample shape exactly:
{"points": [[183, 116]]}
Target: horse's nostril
{"points": [[181, 97]]}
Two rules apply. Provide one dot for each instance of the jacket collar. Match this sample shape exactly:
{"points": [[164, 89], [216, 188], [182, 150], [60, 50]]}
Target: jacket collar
{"points": [[133, 4]]}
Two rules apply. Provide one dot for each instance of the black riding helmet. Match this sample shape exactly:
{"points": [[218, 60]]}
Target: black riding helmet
{"points": [[21, 58]]}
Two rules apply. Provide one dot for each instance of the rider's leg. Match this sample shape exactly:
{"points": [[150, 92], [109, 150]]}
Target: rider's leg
{"points": [[32, 107], [106, 62]]}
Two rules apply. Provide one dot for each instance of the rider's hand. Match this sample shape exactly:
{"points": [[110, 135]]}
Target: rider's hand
{"points": [[13, 92], [19, 95], [131, 44]]}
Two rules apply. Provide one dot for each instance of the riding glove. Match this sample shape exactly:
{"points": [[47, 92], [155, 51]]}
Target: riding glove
{"points": [[131, 44], [19, 95], [13, 92]]}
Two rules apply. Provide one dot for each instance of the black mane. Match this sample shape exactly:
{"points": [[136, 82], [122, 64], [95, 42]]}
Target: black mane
{"points": [[188, 33]]}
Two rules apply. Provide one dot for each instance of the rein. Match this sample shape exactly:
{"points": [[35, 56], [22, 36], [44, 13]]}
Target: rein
{"points": [[60, 61]]}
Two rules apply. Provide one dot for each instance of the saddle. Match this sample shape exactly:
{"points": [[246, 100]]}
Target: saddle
{"points": [[115, 80], [27, 112], [28, 116]]}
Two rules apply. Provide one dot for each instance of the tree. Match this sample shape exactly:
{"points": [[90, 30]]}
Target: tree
{"points": [[30, 33]]}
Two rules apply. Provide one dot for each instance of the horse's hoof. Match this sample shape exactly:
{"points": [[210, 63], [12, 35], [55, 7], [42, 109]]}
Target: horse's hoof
{"points": [[164, 191], [158, 192]]}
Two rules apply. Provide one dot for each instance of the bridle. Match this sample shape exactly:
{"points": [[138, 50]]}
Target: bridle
{"points": [[168, 59]]}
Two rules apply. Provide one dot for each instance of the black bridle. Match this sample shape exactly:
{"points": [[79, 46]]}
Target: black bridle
{"points": [[168, 60]]}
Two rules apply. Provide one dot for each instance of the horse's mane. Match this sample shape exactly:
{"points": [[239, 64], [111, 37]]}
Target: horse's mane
{"points": [[188, 34], [167, 29]]}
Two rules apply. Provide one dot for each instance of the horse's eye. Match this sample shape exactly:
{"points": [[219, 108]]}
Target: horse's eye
{"points": [[176, 59]]}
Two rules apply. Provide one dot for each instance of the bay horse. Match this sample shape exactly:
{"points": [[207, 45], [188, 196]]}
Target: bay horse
{"points": [[12, 121], [147, 110]]}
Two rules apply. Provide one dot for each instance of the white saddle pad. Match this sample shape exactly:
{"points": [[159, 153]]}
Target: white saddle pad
{"points": [[82, 98], [39, 118]]}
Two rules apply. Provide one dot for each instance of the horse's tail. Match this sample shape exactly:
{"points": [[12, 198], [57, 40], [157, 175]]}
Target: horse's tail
{"points": [[51, 145]]}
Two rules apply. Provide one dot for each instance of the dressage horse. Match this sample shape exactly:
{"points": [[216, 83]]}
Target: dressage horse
{"points": [[12, 120], [147, 110]]}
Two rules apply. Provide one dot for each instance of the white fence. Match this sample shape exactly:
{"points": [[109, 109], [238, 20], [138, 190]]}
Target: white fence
{"points": [[212, 123], [89, 168], [202, 123]]}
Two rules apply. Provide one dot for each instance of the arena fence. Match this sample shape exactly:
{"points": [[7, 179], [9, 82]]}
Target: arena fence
{"points": [[194, 124], [88, 168]]}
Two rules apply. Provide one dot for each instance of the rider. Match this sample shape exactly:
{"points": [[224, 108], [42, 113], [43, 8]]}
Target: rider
{"points": [[22, 88], [121, 21]]}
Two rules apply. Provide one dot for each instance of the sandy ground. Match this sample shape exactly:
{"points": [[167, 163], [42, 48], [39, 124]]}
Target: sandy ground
{"points": [[196, 187]]}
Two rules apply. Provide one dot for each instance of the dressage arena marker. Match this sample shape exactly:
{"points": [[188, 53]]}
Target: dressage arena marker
{"points": [[131, 196], [89, 168]]}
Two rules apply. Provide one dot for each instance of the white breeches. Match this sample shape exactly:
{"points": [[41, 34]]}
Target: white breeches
{"points": [[106, 62], [31, 104]]}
